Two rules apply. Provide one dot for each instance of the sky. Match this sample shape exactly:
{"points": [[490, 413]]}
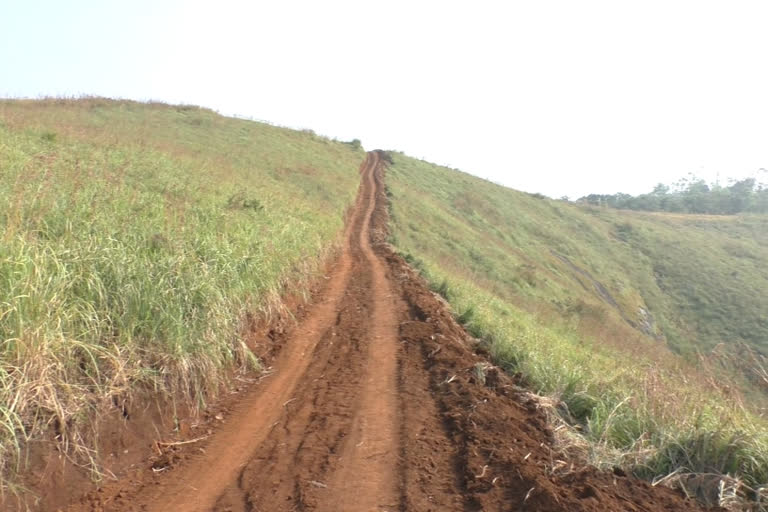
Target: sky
{"points": [[564, 98]]}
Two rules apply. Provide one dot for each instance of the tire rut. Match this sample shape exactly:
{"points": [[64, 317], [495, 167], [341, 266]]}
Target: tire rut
{"points": [[367, 480], [303, 448], [276, 443]]}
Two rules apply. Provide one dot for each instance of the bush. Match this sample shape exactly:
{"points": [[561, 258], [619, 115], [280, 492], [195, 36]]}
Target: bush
{"points": [[48, 136], [240, 201]]}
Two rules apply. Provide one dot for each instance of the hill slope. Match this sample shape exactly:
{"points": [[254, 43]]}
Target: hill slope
{"points": [[138, 242], [376, 399], [145, 247], [605, 311]]}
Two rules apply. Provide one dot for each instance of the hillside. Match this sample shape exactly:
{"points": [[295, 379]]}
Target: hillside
{"points": [[647, 329], [139, 242], [373, 399], [200, 313]]}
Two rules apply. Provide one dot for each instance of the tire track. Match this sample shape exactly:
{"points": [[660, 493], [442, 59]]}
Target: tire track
{"points": [[217, 478], [338, 447], [367, 480]]}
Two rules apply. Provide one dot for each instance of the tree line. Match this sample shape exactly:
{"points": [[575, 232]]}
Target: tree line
{"points": [[692, 195]]}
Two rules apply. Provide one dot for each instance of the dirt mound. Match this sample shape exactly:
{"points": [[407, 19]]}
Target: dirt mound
{"points": [[499, 443], [376, 400]]}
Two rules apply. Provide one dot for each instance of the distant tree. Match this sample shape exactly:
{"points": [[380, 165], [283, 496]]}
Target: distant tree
{"points": [[695, 196], [355, 143], [741, 194], [692, 195]]}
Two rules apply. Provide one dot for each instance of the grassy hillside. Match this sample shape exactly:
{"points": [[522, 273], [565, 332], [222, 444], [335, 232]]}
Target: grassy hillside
{"points": [[135, 240], [614, 314]]}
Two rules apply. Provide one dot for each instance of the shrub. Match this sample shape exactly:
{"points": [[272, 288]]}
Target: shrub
{"points": [[239, 201]]}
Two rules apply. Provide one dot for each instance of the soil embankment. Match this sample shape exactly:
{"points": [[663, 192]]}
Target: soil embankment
{"points": [[377, 401]]}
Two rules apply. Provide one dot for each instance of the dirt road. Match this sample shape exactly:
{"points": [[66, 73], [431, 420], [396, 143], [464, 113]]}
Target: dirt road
{"points": [[378, 401]]}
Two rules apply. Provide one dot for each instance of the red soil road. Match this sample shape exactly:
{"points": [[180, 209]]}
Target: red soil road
{"points": [[375, 405]]}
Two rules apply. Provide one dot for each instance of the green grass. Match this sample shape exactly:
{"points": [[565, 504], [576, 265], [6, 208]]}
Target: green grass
{"points": [[646, 329], [135, 240]]}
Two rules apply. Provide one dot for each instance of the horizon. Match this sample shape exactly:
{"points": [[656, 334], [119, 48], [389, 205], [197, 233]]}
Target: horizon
{"points": [[716, 182], [569, 101]]}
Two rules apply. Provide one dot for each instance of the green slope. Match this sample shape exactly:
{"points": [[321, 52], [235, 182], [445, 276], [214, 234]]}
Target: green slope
{"points": [[136, 239], [608, 311]]}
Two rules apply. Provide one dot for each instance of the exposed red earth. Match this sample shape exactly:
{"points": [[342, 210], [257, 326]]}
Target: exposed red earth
{"points": [[373, 403]]}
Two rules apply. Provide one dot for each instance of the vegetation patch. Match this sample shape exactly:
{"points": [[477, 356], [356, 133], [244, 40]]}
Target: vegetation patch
{"points": [[693, 195], [645, 329], [135, 239]]}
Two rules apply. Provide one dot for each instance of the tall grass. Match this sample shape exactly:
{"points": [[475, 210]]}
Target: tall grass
{"points": [[622, 397], [133, 245]]}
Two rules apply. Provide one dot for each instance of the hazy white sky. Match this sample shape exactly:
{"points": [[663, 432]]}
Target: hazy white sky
{"points": [[560, 97]]}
